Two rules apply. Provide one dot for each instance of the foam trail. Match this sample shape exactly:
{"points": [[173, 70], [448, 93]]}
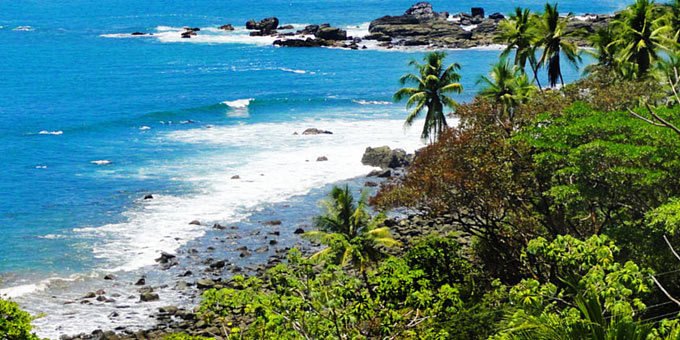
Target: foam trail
{"points": [[55, 133]]}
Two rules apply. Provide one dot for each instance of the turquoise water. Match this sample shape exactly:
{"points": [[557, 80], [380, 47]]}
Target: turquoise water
{"points": [[151, 114]]}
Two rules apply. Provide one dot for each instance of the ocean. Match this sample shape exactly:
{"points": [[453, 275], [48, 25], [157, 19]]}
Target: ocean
{"points": [[92, 120]]}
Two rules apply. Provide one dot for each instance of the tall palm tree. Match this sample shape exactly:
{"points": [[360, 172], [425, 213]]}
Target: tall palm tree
{"points": [[519, 33], [555, 44], [432, 85], [643, 35], [351, 235], [604, 49], [508, 87]]}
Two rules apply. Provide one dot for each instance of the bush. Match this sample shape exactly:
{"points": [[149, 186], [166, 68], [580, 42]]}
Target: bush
{"points": [[15, 324]]}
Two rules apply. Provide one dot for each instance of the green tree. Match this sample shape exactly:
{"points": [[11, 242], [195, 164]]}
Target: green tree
{"points": [[433, 83], [604, 50], [508, 87], [642, 35], [351, 235], [555, 44], [15, 324], [519, 33]]}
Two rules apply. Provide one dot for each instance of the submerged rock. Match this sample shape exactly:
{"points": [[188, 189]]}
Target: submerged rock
{"points": [[315, 131], [227, 27], [148, 297]]}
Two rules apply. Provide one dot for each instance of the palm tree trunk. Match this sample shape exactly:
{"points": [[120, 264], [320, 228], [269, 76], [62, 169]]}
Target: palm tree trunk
{"points": [[368, 284]]}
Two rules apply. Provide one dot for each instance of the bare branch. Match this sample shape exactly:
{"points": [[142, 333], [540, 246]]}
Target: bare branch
{"points": [[664, 290], [670, 246]]}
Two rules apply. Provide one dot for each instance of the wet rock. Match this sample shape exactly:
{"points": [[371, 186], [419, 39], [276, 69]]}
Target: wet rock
{"points": [[195, 222], [205, 284], [315, 131], [286, 27], [309, 42], [148, 297], [299, 231], [219, 226], [265, 26], [109, 277], [322, 159], [236, 177], [497, 16], [262, 249], [244, 253], [227, 27], [137, 33], [219, 264], [272, 222], [101, 298], [171, 310], [477, 12], [100, 292], [387, 173], [148, 197], [166, 257], [242, 248], [140, 282], [89, 295], [331, 33], [371, 184], [273, 242]]}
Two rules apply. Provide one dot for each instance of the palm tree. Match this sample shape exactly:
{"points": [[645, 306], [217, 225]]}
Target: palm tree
{"points": [[643, 35], [351, 235], [604, 49], [554, 43], [508, 87], [433, 82], [519, 33]]}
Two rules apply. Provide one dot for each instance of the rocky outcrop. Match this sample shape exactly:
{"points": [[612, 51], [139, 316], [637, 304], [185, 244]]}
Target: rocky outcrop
{"points": [[331, 33], [386, 158], [309, 42], [265, 26], [227, 27], [315, 131]]}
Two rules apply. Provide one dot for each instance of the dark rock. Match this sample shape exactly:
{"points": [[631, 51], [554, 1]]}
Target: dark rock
{"points": [[299, 231], [219, 264], [421, 11], [227, 27], [315, 131], [309, 42], [166, 258], [236, 177], [273, 242], [266, 26], [497, 16], [371, 184], [172, 310], [286, 27], [148, 197], [251, 24], [101, 298], [331, 33], [477, 12], [148, 297], [140, 282], [195, 222], [109, 277], [137, 33], [262, 249], [244, 253], [219, 226], [322, 159], [89, 295], [272, 222]]}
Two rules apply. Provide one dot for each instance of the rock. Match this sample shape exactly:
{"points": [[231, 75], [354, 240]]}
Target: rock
{"points": [[101, 298], [166, 258], [148, 297], [387, 173], [322, 159], [422, 11], [100, 292], [331, 33], [477, 12], [244, 253], [315, 131], [227, 27], [371, 184], [262, 249], [273, 242], [219, 226], [236, 177], [109, 277], [299, 231], [272, 222], [219, 264], [195, 222], [148, 197], [286, 27], [140, 282], [172, 310], [309, 42], [89, 295], [137, 33], [205, 284], [497, 16], [266, 26], [384, 157]]}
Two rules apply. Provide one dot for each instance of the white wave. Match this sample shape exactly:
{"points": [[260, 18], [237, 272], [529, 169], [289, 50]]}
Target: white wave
{"points": [[239, 103], [358, 31], [286, 161], [52, 237], [25, 289], [101, 162], [125, 35], [143, 128], [285, 69], [587, 17], [371, 102], [23, 28], [55, 133], [468, 28], [41, 166]]}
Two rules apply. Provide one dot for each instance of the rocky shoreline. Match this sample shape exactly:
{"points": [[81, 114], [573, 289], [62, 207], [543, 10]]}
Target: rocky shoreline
{"points": [[420, 26], [196, 269]]}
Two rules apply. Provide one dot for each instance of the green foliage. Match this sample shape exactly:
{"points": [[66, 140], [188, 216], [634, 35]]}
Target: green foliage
{"points": [[15, 324], [508, 87], [182, 336], [433, 83], [554, 43]]}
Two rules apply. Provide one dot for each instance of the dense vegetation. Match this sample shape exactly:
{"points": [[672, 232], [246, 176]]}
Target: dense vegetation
{"points": [[564, 201]]}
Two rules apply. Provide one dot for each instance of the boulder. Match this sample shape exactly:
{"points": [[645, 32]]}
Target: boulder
{"points": [[137, 33], [140, 282], [236, 177], [227, 27], [195, 222], [385, 158], [477, 12], [299, 231], [322, 159], [387, 173], [166, 258], [148, 197], [422, 11], [497, 16], [265, 26], [272, 222], [309, 42], [205, 284], [286, 27], [148, 297], [109, 277], [315, 131], [331, 33]]}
